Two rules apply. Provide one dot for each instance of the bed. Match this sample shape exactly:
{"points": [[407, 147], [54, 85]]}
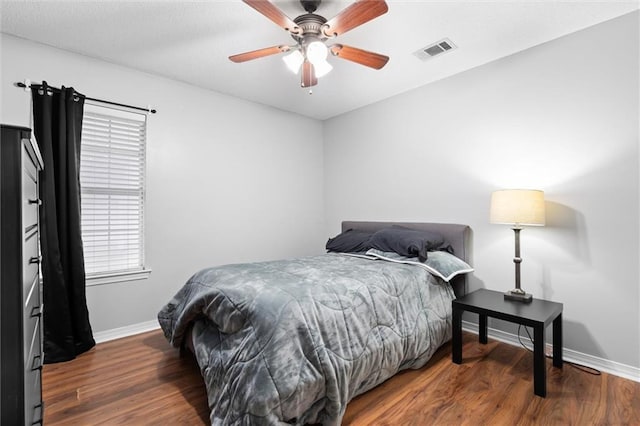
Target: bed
{"points": [[293, 341]]}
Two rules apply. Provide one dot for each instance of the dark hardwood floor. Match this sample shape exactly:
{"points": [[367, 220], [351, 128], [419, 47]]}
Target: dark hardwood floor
{"points": [[141, 380]]}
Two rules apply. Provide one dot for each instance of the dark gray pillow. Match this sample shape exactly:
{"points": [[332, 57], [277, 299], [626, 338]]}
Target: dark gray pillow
{"points": [[407, 242], [350, 241]]}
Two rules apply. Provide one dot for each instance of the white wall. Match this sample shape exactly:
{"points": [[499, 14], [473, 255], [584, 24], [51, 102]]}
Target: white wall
{"points": [[562, 117], [228, 180], [226, 183]]}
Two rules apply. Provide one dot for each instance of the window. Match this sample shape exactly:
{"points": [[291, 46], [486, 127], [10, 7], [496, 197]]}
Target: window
{"points": [[112, 181]]}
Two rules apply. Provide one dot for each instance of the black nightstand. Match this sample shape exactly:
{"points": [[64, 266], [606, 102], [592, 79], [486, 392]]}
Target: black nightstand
{"points": [[538, 314]]}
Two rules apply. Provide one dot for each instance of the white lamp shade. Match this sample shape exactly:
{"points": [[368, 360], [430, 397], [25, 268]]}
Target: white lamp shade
{"points": [[518, 207]]}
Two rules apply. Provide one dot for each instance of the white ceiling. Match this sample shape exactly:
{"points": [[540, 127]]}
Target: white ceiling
{"points": [[190, 41]]}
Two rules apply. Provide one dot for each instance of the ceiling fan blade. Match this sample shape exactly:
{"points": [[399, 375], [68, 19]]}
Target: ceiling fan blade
{"points": [[357, 14], [308, 75], [269, 10], [255, 54], [362, 57]]}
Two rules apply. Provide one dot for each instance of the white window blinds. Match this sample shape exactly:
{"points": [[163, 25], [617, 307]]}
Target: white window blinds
{"points": [[112, 172]]}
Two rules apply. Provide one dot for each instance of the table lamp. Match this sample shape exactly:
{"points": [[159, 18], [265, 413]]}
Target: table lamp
{"points": [[518, 208]]}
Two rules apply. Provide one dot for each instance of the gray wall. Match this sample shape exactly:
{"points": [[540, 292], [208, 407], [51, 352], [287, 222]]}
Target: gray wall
{"points": [[224, 183], [225, 186], [562, 117]]}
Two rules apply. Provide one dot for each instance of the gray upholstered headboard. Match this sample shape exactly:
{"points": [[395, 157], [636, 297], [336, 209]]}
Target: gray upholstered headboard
{"points": [[459, 236]]}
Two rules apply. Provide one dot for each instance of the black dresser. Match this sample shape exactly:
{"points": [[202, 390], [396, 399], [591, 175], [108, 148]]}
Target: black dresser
{"points": [[20, 284]]}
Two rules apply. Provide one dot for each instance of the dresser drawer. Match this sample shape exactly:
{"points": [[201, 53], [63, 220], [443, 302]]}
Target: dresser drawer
{"points": [[33, 408], [30, 259], [30, 201], [33, 372], [32, 342], [28, 165], [29, 216], [32, 306]]}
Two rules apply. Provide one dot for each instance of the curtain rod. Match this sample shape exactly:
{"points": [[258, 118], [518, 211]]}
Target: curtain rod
{"points": [[152, 111]]}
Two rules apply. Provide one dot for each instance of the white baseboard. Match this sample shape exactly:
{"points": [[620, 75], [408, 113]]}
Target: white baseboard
{"points": [[608, 366], [605, 365], [129, 330]]}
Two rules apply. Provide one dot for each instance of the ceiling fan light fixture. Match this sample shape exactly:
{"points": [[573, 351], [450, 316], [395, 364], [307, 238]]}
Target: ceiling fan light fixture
{"points": [[322, 68], [310, 32], [317, 52], [294, 61]]}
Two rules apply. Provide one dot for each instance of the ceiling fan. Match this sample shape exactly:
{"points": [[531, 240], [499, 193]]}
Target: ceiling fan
{"points": [[311, 31]]}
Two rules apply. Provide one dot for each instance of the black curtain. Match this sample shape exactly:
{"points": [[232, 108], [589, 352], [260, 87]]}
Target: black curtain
{"points": [[57, 122]]}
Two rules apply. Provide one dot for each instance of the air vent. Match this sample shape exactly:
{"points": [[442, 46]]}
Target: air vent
{"points": [[435, 49]]}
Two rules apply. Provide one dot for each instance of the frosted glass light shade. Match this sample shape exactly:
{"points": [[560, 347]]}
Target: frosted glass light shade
{"points": [[294, 60], [518, 207], [322, 68], [317, 52]]}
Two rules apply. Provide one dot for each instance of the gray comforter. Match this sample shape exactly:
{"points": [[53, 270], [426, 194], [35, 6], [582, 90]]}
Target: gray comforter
{"points": [[295, 340]]}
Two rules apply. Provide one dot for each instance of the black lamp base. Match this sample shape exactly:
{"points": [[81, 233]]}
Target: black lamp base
{"points": [[518, 297]]}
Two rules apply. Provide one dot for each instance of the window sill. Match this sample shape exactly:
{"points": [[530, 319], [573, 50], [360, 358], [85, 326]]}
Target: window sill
{"points": [[118, 277]]}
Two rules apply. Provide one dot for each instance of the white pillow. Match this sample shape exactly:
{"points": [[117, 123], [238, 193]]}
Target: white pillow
{"points": [[439, 263]]}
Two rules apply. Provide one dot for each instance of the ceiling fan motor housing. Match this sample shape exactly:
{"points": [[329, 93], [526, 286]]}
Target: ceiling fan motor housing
{"points": [[311, 25]]}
